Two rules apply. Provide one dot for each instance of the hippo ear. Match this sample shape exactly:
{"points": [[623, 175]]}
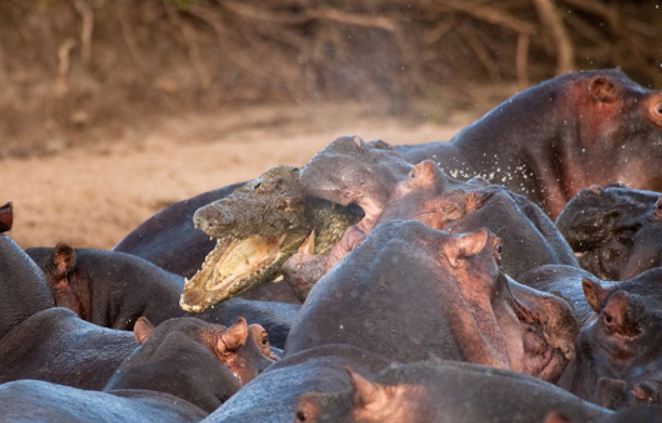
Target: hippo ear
{"points": [[603, 90], [610, 393], [6, 217], [657, 209], [235, 336], [647, 392], [308, 408], [359, 143], [594, 293], [63, 258], [142, 329], [460, 247], [556, 417], [365, 392]]}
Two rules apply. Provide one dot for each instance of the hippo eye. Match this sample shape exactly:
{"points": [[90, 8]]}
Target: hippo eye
{"points": [[264, 340], [258, 185], [412, 174]]}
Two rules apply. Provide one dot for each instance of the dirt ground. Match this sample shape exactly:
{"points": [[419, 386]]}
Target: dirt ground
{"points": [[95, 193]]}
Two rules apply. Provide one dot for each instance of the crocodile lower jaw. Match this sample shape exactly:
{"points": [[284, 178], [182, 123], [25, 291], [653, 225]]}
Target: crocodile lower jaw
{"points": [[233, 266]]}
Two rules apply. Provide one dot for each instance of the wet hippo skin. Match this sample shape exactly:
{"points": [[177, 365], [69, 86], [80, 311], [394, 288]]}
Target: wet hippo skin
{"points": [[443, 392]]}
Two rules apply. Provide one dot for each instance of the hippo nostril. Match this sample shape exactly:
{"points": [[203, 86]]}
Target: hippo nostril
{"points": [[301, 416], [608, 319]]}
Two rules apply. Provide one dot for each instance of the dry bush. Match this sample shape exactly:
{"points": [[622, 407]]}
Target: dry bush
{"points": [[70, 65]]}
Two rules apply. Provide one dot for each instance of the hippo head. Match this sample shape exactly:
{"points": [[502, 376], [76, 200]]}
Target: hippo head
{"points": [[532, 332], [351, 171], [6, 217], [430, 196], [258, 227], [621, 124], [197, 361], [244, 349], [603, 224], [625, 338]]}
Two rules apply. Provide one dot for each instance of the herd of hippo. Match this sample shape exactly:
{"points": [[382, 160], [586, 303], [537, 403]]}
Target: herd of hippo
{"points": [[511, 274]]}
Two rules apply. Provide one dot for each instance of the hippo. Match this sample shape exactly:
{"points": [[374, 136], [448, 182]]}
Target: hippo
{"points": [[528, 236], [257, 228], [559, 136], [113, 289], [427, 392], [182, 370], [614, 230], [405, 273], [23, 290], [619, 353]]}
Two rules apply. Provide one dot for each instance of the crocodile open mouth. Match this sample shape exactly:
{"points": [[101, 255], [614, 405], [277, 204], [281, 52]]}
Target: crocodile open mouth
{"points": [[233, 266]]}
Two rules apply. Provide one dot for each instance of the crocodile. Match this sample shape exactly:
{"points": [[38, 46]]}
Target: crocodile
{"points": [[257, 228]]}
